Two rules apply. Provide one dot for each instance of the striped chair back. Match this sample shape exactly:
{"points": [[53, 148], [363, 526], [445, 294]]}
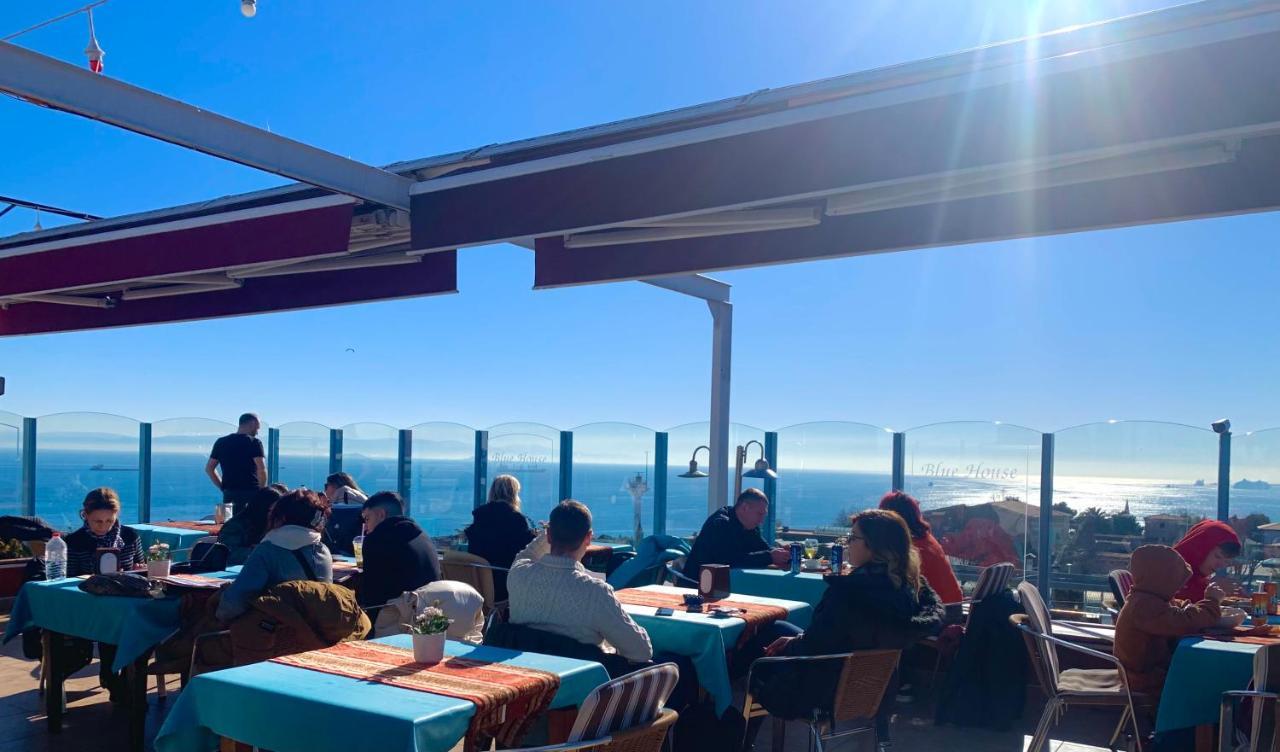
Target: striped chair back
{"points": [[1121, 582], [1040, 621], [1266, 678], [631, 700], [993, 579]]}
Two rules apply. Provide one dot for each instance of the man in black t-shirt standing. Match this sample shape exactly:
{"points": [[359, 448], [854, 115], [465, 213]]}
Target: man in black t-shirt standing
{"points": [[242, 460]]}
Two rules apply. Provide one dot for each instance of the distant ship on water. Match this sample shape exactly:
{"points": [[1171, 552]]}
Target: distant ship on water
{"points": [[1251, 485], [103, 468], [1199, 483]]}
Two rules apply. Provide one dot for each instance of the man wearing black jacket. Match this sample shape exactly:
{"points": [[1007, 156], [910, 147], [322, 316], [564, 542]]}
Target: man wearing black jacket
{"points": [[398, 555], [731, 535]]}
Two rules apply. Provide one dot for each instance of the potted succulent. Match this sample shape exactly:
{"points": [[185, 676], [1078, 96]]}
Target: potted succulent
{"points": [[158, 560], [428, 630], [14, 558]]}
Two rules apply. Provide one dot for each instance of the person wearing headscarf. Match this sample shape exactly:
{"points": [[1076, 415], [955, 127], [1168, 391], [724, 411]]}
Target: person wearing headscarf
{"points": [[1207, 547]]}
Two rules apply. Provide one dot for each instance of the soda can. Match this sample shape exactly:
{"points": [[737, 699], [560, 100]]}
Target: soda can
{"points": [[837, 559], [797, 553]]}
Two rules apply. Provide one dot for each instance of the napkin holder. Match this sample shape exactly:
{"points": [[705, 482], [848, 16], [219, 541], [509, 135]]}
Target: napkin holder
{"points": [[713, 581], [106, 560]]}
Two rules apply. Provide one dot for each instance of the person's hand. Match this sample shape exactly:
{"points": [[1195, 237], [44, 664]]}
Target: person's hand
{"points": [[781, 557], [1214, 593], [1227, 585], [778, 646]]}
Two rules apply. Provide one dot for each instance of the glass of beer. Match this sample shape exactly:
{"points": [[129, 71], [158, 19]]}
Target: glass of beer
{"points": [[357, 545]]}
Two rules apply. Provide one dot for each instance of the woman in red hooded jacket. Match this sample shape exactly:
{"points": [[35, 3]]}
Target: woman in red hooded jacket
{"points": [[1206, 547]]}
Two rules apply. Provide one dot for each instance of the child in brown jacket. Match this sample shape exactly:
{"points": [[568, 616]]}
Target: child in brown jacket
{"points": [[1150, 624]]}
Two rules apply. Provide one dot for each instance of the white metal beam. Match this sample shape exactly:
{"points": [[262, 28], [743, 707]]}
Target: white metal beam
{"points": [[721, 371], [694, 285], [77, 90], [700, 226]]}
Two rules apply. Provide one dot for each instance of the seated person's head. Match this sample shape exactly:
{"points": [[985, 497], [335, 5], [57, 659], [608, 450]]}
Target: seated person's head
{"points": [[380, 506], [335, 483], [259, 507], [1208, 546], [908, 509], [101, 510], [751, 508], [506, 488], [569, 530], [302, 507], [879, 536]]}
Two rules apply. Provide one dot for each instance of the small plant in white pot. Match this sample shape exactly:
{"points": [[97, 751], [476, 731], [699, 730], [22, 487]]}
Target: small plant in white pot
{"points": [[428, 630], [158, 560]]}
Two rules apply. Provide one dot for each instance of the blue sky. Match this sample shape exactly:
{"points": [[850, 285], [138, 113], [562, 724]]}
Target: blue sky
{"points": [[1173, 322]]}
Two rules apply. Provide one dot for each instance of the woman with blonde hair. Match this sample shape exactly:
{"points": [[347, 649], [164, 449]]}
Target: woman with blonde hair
{"points": [[882, 603], [499, 530]]}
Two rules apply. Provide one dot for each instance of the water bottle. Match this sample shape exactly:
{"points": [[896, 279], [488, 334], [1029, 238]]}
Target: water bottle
{"points": [[55, 558]]}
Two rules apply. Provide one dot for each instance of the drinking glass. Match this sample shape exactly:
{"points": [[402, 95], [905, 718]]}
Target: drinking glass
{"points": [[357, 545], [810, 548]]}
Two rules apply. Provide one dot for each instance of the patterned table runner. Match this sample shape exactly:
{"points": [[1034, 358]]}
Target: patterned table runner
{"points": [[756, 615], [507, 698], [203, 527]]}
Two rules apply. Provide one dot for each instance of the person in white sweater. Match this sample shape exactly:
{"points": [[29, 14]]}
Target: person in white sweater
{"points": [[549, 589]]}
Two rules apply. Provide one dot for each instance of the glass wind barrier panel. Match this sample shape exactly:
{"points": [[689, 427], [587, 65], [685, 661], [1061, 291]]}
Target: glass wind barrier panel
{"points": [[613, 476], [530, 452], [827, 472], [78, 452], [180, 448], [1124, 484], [10, 463], [687, 497], [978, 484], [369, 454], [1255, 502], [304, 455], [443, 473]]}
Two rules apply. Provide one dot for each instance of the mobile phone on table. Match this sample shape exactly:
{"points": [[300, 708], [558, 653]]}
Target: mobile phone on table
{"points": [[664, 611]]}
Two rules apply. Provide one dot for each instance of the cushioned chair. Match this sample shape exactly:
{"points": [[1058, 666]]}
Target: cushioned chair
{"points": [[646, 738], [865, 676], [1121, 582], [1074, 686], [626, 702], [991, 580]]}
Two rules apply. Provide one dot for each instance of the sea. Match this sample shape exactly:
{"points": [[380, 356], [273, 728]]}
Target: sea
{"points": [[442, 491]]}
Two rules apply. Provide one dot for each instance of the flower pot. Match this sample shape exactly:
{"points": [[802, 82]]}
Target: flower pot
{"points": [[158, 568], [428, 648]]}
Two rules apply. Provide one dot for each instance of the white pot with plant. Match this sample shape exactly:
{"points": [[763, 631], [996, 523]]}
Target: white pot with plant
{"points": [[158, 560], [428, 630]]}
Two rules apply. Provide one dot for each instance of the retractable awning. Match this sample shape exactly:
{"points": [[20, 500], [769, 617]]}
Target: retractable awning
{"points": [[1164, 116], [225, 259]]}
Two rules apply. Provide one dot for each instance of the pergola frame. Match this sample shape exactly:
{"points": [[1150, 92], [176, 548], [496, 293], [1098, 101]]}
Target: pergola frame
{"points": [[778, 176]]}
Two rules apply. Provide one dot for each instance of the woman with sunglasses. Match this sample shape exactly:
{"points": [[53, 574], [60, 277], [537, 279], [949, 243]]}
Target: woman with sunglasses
{"points": [[882, 603]]}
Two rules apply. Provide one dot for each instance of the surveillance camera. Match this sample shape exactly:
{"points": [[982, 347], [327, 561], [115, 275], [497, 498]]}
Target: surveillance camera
{"points": [[1220, 426]]}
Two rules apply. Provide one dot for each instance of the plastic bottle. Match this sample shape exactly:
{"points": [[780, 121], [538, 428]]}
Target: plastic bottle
{"points": [[55, 558]]}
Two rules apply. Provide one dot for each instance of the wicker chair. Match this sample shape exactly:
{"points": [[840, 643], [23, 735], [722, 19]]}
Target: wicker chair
{"points": [[863, 680], [473, 570], [1075, 686], [647, 737]]}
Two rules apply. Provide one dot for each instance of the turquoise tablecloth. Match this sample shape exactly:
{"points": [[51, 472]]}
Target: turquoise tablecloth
{"points": [[1201, 671], [134, 625], [806, 587], [705, 639], [180, 539], [288, 709]]}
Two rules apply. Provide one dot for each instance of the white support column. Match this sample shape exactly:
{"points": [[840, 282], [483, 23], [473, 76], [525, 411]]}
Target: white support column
{"points": [[721, 368]]}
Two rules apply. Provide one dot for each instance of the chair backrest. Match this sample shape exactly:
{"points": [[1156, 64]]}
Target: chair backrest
{"points": [[863, 681], [471, 569], [1035, 653], [462, 605], [202, 547], [993, 579], [624, 703], [1266, 678], [1039, 621], [1121, 582]]}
